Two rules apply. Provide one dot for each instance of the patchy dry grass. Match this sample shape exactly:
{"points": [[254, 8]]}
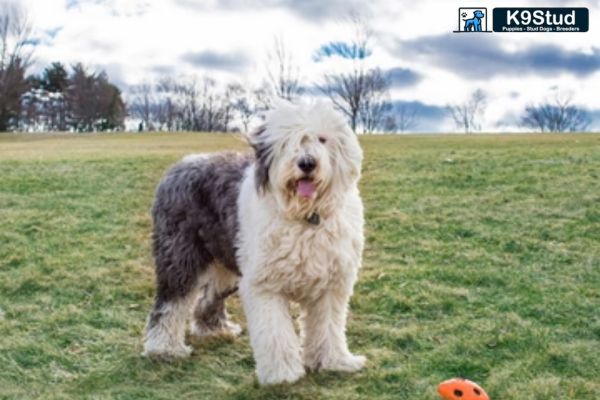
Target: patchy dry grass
{"points": [[482, 260]]}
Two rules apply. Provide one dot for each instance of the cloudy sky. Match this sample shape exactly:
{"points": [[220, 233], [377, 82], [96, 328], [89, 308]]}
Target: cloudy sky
{"points": [[142, 40]]}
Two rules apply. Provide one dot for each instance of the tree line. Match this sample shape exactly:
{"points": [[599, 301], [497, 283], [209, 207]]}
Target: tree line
{"points": [[79, 100], [557, 114], [192, 104], [361, 93], [57, 99], [73, 98]]}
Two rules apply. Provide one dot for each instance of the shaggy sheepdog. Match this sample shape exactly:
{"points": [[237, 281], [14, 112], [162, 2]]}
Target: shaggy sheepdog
{"points": [[284, 224]]}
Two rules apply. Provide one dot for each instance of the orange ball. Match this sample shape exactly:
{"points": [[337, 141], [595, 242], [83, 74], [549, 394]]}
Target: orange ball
{"points": [[461, 389]]}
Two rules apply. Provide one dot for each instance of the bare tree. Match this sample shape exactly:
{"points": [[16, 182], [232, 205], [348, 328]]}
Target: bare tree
{"points": [[282, 71], [15, 57], [406, 118], [249, 104], [111, 109], [233, 92], [469, 115], [401, 119], [357, 93], [346, 93], [263, 100], [375, 103], [143, 104], [189, 92], [94, 103], [533, 117], [169, 92], [194, 104], [80, 96], [209, 110], [15, 32], [559, 116], [170, 114], [245, 111], [346, 90]]}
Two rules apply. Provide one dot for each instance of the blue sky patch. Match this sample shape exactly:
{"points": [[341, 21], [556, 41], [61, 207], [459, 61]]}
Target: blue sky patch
{"points": [[348, 51]]}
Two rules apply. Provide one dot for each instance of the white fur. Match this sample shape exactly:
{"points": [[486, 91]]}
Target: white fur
{"points": [[167, 338], [283, 258]]}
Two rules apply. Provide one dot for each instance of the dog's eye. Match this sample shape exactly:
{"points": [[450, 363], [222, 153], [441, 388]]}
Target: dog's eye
{"points": [[322, 139]]}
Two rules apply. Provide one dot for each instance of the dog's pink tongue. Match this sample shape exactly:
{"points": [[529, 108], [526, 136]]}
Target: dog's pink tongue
{"points": [[305, 188]]}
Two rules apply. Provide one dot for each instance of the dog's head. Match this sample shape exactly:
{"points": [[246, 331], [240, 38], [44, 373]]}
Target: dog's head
{"points": [[478, 14], [306, 156]]}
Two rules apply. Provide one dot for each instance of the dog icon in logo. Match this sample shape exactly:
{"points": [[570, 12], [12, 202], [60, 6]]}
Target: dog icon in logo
{"points": [[472, 19], [473, 24]]}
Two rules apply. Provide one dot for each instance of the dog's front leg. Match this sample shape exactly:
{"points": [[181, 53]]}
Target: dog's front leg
{"points": [[324, 332], [274, 342]]}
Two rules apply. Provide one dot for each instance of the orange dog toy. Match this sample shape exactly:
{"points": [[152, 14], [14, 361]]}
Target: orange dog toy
{"points": [[461, 389]]}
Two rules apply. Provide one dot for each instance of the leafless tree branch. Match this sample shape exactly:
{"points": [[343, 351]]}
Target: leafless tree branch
{"points": [[15, 58], [560, 115], [282, 71], [469, 115], [361, 93]]}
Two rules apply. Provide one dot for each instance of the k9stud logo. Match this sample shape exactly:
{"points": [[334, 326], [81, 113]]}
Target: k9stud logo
{"points": [[523, 19], [541, 19]]}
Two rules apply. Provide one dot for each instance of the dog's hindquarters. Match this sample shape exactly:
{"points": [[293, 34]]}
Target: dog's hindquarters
{"points": [[189, 248], [179, 260], [187, 279]]}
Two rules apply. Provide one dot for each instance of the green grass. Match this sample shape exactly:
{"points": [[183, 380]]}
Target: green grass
{"points": [[482, 260]]}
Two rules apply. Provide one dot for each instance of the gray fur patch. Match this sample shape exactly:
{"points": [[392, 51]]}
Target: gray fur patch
{"points": [[195, 221]]}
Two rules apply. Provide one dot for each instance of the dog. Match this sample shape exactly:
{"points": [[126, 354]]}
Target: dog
{"points": [[474, 24], [284, 224]]}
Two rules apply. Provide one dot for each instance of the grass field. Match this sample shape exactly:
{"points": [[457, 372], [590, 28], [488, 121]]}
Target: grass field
{"points": [[482, 260]]}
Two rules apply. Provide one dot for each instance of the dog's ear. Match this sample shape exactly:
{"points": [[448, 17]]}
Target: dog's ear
{"points": [[262, 151]]}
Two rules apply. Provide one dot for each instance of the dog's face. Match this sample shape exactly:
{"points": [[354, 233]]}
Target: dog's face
{"points": [[306, 156], [478, 14]]}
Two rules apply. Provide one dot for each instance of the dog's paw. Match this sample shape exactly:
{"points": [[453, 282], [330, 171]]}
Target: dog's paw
{"points": [[233, 329], [166, 353], [347, 363], [287, 374], [228, 328]]}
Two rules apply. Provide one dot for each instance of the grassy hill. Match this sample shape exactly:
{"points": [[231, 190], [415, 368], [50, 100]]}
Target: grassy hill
{"points": [[482, 260]]}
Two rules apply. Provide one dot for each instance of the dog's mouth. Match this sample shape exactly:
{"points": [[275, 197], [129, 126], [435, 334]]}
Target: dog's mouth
{"points": [[306, 188]]}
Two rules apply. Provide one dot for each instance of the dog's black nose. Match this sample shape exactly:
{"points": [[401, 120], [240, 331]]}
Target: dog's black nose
{"points": [[307, 164]]}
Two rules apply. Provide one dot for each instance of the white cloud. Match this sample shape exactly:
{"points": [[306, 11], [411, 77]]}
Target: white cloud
{"points": [[136, 40]]}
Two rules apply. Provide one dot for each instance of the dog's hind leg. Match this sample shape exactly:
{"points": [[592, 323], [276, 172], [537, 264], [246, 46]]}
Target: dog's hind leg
{"points": [[180, 260], [210, 315]]}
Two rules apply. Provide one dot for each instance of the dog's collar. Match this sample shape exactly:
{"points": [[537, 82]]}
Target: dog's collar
{"points": [[314, 219]]}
